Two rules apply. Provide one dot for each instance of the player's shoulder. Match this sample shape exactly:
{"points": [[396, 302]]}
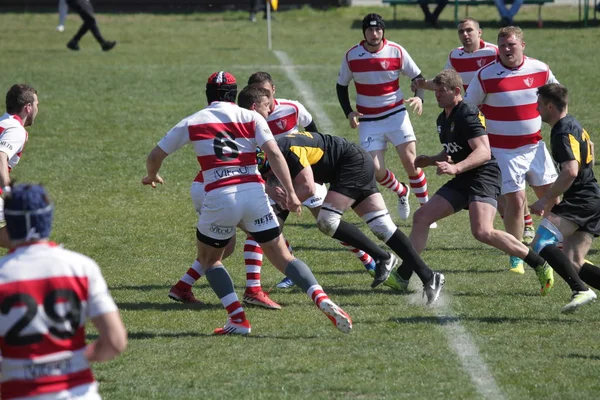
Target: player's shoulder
{"points": [[567, 125], [393, 46], [287, 103], [9, 122], [356, 48], [466, 110], [491, 46], [531, 62]]}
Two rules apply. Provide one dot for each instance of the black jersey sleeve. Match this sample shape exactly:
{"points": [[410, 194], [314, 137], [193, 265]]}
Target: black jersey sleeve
{"points": [[471, 122], [564, 148]]}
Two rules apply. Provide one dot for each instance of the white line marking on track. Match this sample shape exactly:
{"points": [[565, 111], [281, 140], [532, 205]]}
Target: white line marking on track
{"points": [[323, 122]]}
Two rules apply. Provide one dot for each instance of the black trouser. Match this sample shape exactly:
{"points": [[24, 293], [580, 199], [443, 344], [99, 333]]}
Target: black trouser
{"points": [[438, 10], [86, 12]]}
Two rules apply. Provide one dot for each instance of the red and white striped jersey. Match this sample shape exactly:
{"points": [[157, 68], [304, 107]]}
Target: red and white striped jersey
{"points": [[13, 137], [287, 117], [467, 64], [224, 137], [376, 77], [507, 98], [47, 294]]}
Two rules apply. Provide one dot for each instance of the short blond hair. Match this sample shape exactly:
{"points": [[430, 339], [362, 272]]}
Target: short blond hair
{"points": [[508, 31], [448, 79]]}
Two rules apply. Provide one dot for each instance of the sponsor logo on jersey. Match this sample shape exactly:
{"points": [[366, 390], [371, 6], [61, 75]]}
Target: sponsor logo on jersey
{"points": [[361, 54], [480, 62], [4, 143], [54, 368], [265, 219], [528, 81], [500, 73], [281, 124], [452, 127], [462, 53], [221, 230], [385, 64], [230, 171], [451, 148]]}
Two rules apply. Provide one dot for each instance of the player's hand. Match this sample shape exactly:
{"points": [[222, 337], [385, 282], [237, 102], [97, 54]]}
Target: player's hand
{"points": [[537, 208], [422, 161], [417, 84], [293, 204], [279, 195], [353, 119], [445, 168], [417, 104], [152, 180]]}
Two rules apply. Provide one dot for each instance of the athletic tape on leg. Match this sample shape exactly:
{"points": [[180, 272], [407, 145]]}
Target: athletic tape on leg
{"points": [[328, 219], [381, 224]]}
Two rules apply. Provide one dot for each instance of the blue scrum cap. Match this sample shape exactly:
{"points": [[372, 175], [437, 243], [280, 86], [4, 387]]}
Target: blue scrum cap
{"points": [[28, 213]]}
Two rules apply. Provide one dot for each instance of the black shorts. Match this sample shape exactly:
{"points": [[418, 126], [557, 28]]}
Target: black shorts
{"points": [[584, 211], [482, 184], [354, 175]]}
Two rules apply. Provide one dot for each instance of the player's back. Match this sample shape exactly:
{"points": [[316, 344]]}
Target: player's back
{"points": [[46, 295], [224, 137]]}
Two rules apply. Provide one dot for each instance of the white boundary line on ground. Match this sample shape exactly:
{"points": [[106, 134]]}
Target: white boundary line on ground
{"points": [[323, 121], [458, 338], [465, 348]]}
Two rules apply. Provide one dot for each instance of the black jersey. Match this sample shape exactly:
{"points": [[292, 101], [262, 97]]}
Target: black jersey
{"points": [[465, 122], [569, 141], [317, 150]]}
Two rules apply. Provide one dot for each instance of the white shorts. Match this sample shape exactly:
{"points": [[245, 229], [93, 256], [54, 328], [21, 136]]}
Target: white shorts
{"points": [[396, 129], [224, 209], [528, 164], [314, 201], [197, 192]]}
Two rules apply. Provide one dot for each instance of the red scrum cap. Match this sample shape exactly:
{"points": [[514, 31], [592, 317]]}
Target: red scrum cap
{"points": [[221, 86]]}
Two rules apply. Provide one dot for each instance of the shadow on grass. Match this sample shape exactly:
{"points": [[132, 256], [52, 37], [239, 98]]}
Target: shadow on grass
{"points": [[145, 305], [512, 293], [142, 335], [444, 320], [420, 24], [582, 356]]}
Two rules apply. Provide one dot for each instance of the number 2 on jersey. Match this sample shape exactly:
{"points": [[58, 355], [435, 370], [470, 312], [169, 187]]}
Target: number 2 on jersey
{"points": [[67, 299]]}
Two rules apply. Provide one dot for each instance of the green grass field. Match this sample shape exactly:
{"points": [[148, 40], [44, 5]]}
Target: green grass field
{"points": [[491, 336]]}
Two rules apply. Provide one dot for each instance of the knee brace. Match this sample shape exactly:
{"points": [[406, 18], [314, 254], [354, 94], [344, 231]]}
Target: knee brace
{"points": [[381, 224], [547, 234], [328, 219]]}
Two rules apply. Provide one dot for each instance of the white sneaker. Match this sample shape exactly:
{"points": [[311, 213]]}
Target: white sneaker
{"points": [[433, 288], [433, 226], [403, 204], [60, 28], [339, 317], [579, 299]]}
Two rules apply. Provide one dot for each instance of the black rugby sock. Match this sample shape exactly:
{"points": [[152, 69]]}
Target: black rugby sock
{"points": [[590, 274], [563, 266], [404, 248], [348, 233]]}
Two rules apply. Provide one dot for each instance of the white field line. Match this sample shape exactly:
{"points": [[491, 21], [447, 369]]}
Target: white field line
{"points": [[463, 345], [458, 338], [308, 98]]}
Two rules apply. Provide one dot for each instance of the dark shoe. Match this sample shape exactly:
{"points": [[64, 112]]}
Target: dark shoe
{"points": [[383, 269], [73, 45], [106, 46]]}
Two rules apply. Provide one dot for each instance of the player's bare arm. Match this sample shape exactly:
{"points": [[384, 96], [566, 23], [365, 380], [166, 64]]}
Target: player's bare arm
{"points": [[568, 173], [112, 338], [304, 184], [153, 164], [4, 174], [423, 161], [282, 172], [481, 154]]}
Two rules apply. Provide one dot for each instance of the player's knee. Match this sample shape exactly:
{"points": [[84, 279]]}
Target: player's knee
{"points": [[381, 224], [421, 217], [328, 221], [482, 234], [546, 235]]}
